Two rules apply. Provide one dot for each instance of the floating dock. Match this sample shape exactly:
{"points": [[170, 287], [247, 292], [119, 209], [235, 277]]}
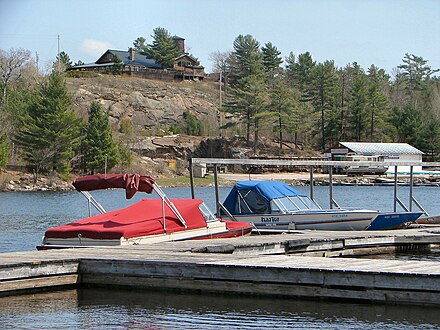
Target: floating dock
{"points": [[304, 264]]}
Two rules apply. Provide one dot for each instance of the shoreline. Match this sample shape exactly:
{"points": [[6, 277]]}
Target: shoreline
{"points": [[14, 181]]}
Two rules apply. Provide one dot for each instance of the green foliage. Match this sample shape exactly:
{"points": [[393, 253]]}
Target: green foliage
{"points": [[283, 110], [126, 126], [429, 139], [140, 46], [49, 129], [271, 58], [163, 49], [125, 156], [4, 150], [191, 125], [62, 62], [322, 94], [99, 149], [81, 74], [249, 59], [407, 123], [117, 66], [299, 72]]}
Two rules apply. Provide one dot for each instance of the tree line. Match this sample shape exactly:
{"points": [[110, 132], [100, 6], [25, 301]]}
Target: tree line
{"points": [[318, 104], [40, 125]]}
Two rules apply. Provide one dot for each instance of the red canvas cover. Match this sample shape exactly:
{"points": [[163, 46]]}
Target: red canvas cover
{"points": [[140, 219], [130, 182]]}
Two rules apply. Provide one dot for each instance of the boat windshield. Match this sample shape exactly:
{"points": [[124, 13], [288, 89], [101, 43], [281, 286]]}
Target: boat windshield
{"points": [[291, 204], [209, 216]]}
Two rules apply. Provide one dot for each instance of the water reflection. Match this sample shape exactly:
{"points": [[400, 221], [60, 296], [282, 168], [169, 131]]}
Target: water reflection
{"points": [[122, 309]]}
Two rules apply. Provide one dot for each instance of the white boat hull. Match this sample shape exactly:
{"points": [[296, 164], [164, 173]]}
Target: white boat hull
{"points": [[214, 229], [315, 220]]}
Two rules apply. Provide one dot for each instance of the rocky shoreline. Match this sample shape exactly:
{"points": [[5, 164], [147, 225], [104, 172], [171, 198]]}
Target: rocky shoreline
{"points": [[20, 181]]}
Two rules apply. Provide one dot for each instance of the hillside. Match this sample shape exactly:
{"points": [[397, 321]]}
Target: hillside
{"points": [[151, 106]]}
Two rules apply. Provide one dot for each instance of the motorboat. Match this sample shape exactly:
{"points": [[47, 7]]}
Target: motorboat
{"points": [[145, 222], [275, 205]]}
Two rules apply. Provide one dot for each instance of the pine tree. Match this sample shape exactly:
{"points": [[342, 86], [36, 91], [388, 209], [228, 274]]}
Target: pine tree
{"points": [[163, 49], [50, 129], [271, 61], [357, 116], [62, 62], [299, 72], [282, 112], [378, 104], [99, 148], [248, 86], [321, 93]]}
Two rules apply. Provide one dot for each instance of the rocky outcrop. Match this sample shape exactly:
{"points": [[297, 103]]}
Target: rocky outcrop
{"points": [[151, 106]]}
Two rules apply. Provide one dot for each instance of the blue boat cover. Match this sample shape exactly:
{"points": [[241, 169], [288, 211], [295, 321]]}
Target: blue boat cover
{"points": [[257, 196]]}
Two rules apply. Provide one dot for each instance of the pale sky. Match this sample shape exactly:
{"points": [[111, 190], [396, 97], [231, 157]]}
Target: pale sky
{"points": [[369, 32]]}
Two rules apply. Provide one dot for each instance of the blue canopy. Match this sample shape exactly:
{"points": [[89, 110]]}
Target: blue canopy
{"points": [[255, 196]]}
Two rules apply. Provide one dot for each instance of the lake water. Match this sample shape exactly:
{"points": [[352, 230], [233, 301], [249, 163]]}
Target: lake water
{"points": [[25, 216]]}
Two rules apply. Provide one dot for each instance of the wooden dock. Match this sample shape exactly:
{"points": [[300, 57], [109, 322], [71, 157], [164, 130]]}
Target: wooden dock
{"points": [[306, 264]]}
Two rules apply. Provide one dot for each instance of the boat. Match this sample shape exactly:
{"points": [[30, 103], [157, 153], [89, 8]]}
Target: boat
{"points": [[145, 222], [275, 205]]}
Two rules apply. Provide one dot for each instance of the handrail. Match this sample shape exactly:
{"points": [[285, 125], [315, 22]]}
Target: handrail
{"points": [[169, 203], [91, 200]]}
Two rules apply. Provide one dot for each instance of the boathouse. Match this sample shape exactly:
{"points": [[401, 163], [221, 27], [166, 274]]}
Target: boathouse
{"points": [[377, 152]]}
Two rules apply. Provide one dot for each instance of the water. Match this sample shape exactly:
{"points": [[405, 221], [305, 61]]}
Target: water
{"points": [[123, 309], [25, 216]]}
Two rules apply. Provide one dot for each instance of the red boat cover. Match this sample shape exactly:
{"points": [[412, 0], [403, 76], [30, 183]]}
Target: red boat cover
{"points": [[140, 219], [130, 182]]}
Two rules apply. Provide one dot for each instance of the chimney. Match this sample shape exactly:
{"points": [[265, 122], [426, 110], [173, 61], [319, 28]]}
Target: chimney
{"points": [[180, 44], [131, 51]]}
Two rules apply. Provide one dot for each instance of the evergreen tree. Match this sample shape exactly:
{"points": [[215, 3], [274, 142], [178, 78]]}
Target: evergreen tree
{"points": [[299, 72], [282, 112], [99, 148], [271, 61], [322, 95], [4, 150], [50, 129], [248, 100], [248, 86], [140, 46], [163, 49], [378, 104], [429, 139], [62, 62], [407, 124], [357, 118], [415, 72], [248, 57]]}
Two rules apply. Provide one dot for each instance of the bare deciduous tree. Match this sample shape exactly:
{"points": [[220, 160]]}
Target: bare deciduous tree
{"points": [[12, 64]]}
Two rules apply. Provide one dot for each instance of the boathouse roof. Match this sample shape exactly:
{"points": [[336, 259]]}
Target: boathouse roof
{"points": [[370, 148]]}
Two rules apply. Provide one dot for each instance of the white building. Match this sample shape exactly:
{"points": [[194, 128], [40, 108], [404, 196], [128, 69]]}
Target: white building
{"points": [[392, 152]]}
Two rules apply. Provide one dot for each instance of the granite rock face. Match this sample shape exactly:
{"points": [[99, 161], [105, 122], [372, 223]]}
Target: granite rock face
{"points": [[151, 106]]}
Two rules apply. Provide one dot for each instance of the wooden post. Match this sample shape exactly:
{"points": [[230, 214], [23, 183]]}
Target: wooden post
{"points": [[191, 178], [217, 206]]}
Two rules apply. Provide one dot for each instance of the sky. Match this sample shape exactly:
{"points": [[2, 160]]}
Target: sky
{"points": [[377, 32]]}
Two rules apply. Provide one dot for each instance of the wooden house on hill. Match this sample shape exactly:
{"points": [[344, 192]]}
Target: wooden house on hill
{"points": [[185, 66]]}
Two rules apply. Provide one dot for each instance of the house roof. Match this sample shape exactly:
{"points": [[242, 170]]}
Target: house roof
{"points": [[124, 57], [192, 58], [381, 148]]}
